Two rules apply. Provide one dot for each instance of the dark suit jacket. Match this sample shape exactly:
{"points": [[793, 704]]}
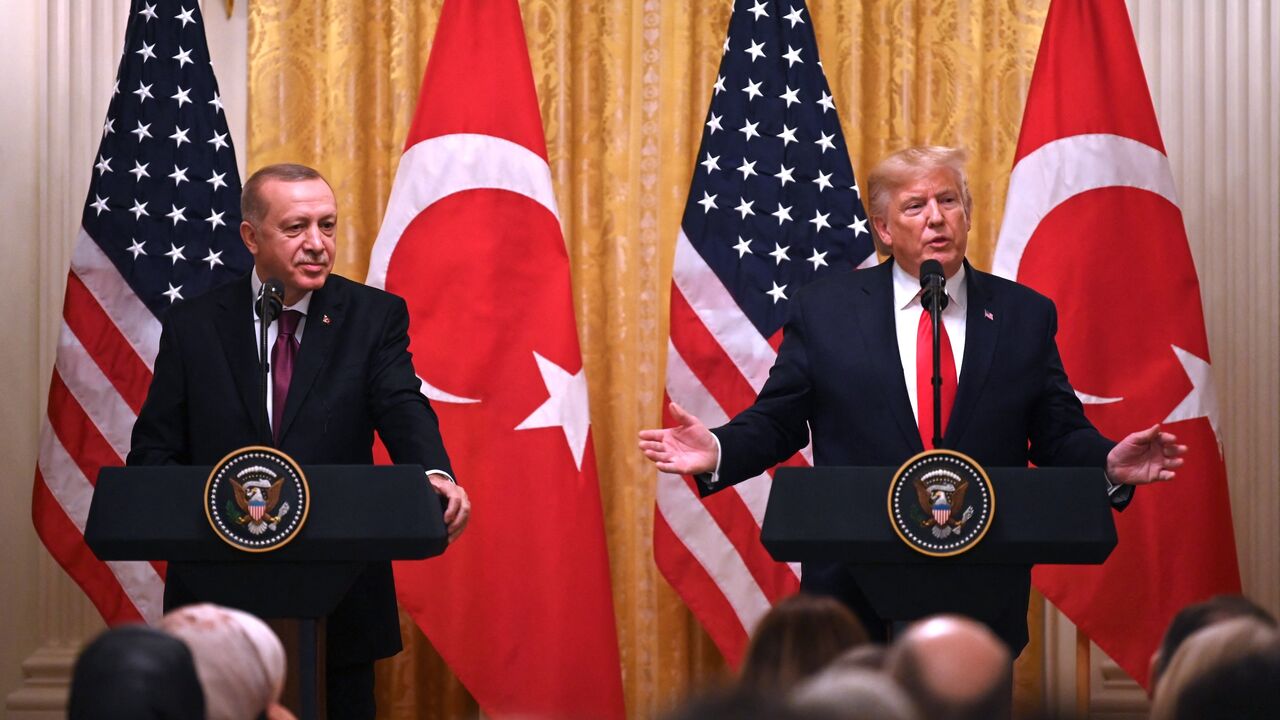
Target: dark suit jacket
{"points": [[839, 375], [353, 375]]}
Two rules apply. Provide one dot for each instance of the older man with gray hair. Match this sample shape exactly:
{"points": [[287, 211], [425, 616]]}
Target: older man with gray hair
{"points": [[853, 374]]}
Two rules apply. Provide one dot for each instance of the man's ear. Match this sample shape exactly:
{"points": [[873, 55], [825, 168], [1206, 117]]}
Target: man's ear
{"points": [[249, 236], [882, 232]]}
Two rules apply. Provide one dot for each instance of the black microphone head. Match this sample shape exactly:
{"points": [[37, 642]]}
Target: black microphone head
{"points": [[270, 299], [930, 268], [934, 284]]}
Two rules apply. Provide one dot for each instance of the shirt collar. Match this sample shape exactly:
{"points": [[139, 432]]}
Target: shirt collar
{"points": [[906, 289], [255, 285]]}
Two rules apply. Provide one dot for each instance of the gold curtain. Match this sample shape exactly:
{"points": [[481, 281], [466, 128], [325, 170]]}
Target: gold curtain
{"points": [[624, 87]]}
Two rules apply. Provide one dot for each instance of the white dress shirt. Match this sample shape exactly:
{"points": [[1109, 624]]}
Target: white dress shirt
{"points": [[273, 331], [907, 309]]}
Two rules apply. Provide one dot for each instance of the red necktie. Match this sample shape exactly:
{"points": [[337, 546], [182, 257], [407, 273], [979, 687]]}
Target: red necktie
{"points": [[283, 354], [924, 374]]}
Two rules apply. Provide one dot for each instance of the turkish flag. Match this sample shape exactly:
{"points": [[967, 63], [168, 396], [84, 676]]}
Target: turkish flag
{"points": [[520, 607], [1092, 221]]}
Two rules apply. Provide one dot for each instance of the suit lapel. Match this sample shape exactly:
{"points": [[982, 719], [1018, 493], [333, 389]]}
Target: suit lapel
{"points": [[235, 333], [982, 328], [875, 313], [323, 318]]}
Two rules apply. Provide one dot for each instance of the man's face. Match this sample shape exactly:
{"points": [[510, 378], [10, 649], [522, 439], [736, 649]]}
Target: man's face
{"points": [[926, 219], [296, 238]]}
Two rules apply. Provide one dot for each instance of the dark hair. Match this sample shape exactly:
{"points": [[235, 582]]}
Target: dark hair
{"points": [[795, 639], [135, 671], [1200, 615], [252, 206], [1244, 688]]}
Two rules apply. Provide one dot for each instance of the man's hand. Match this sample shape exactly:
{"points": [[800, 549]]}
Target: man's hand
{"points": [[687, 449], [458, 511], [1145, 457]]}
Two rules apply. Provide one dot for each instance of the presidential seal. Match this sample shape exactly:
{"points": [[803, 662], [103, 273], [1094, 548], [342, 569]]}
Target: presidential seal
{"points": [[941, 503], [256, 499]]}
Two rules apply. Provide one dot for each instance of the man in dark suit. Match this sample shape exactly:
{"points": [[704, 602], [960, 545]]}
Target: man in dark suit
{"points": [[350, 374], [853, 371]]}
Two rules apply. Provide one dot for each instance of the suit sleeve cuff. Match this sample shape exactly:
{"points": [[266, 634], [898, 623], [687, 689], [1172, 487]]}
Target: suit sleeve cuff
{"points": [[709, 480], [443, 474], [1119, 494]]}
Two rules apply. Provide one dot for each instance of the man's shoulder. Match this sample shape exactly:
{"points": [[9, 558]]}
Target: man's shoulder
{"points": [[1008, 291], [841, 283], [356, 300], [210, 301]]}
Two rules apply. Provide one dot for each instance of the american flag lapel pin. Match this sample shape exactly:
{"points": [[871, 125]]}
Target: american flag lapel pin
{"points": [[985, 313]]}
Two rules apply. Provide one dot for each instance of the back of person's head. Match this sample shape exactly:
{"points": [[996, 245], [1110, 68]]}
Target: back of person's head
{"points": [[239, 659], [1199, 615], [845, 693], [795, 639], [135, 672], [870, 656], [1203, 652], [1243, 688], [954, 669]]}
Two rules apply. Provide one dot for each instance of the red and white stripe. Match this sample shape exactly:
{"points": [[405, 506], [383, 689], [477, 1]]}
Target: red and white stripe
{"points": [[709, 548], [106, 350]]}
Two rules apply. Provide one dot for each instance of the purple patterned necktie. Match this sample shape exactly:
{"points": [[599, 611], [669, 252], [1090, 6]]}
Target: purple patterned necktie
{"points": [[283, 353]]}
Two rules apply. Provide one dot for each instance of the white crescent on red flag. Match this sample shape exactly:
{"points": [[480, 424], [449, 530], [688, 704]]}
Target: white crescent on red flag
{"points": [[1092, 220], [521, 606]]}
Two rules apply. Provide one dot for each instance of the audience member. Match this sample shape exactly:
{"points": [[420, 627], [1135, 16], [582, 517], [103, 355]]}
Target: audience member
{"points": [[239, 659], [1204, 652], [1246, 688], [138, 673], [845, 693], [796, 639], [1197, 616], [870, 656], [954, 669]]}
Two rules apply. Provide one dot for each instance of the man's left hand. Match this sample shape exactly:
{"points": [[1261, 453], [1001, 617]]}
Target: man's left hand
{"points": [[458, 511], [1145, 457]]}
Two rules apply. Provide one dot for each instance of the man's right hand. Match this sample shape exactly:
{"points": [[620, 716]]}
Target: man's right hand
{"points": [[687, 449]]}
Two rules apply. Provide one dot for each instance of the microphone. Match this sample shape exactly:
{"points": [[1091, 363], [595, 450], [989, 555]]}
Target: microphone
{"points": [[269, 303], [270, 300], [934, 284], [935, 301]]}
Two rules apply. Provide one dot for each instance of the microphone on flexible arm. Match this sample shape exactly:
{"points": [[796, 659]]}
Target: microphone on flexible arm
{"points": [[934, 299], [269, 303]]}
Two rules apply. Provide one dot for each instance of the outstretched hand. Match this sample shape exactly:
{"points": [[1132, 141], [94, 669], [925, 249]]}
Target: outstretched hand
{"points": [[686, 449], [1145, 457]]}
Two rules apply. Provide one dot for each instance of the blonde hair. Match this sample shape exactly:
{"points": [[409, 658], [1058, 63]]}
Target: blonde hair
{"points": [[909, 164], [1206, 649]]}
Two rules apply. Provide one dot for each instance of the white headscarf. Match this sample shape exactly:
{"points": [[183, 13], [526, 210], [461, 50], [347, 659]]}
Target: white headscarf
{"points": [[239, 659]]}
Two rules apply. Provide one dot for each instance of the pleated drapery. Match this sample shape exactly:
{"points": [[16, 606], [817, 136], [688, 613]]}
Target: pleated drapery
{"points": [[624, 87]]}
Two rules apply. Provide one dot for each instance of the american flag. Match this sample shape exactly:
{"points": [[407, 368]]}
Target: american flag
{"points": [[160, 224], [773, 205]]}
